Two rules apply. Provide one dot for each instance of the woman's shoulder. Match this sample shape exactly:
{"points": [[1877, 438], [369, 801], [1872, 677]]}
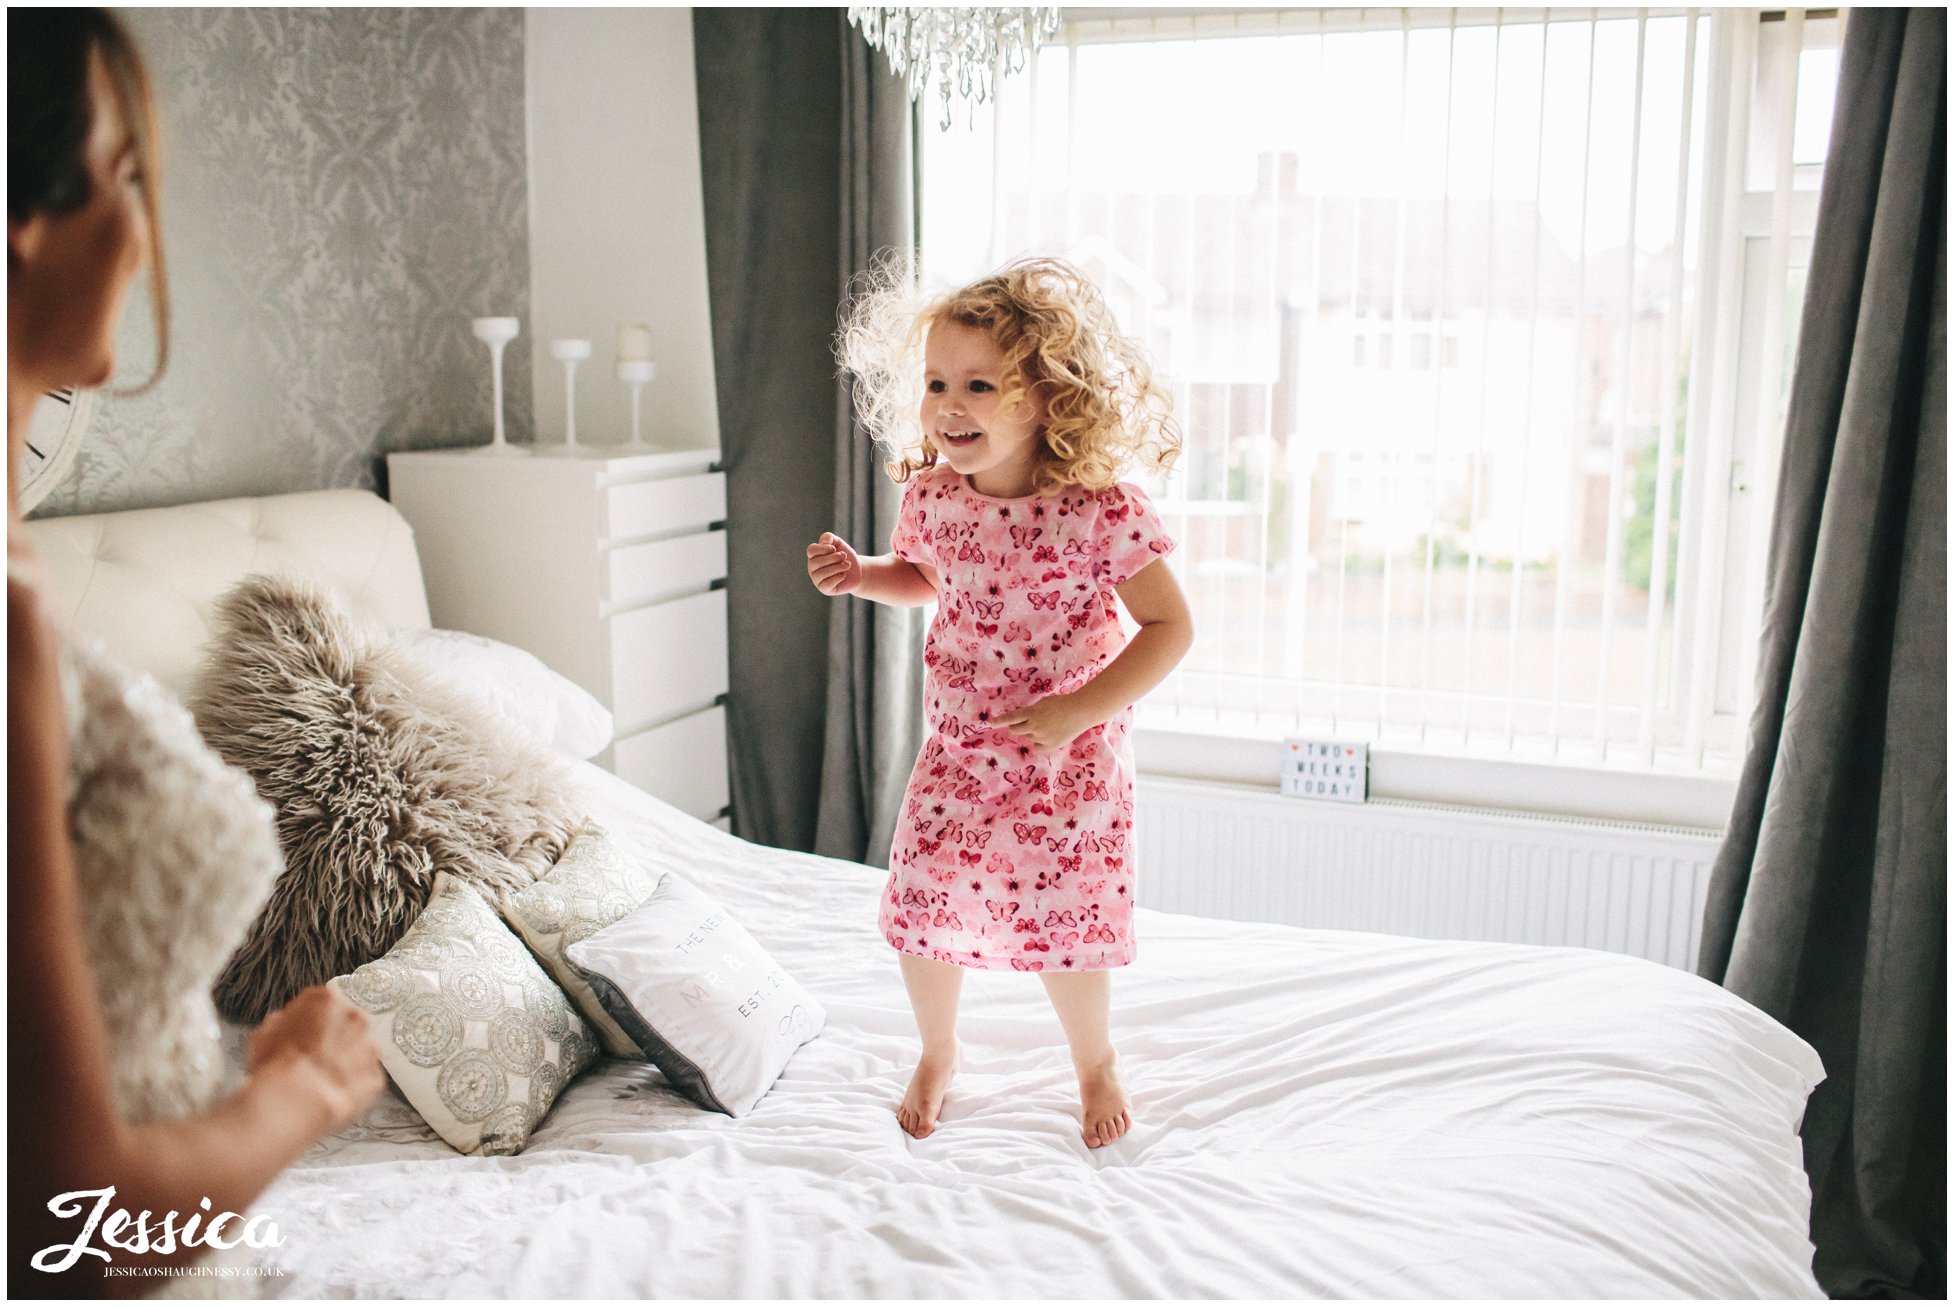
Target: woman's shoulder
{"points": [[39, 642], [28, 593]]}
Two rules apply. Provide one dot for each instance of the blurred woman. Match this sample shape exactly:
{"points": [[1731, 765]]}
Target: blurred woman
{"points": [[135, 857]]}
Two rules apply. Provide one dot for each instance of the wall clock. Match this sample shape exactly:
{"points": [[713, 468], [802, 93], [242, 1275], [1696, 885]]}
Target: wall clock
{"points": [[53, 435]]}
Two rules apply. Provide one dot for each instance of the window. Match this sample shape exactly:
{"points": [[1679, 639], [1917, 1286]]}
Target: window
{"points": [[1481, 331]]}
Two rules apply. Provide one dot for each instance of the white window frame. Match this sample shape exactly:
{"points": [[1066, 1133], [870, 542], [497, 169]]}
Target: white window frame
{"points": [[1733, 449]]}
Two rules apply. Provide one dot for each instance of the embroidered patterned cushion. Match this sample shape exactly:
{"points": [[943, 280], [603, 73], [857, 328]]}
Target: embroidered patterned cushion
{"points": [[593, 884], [475, 1035]]}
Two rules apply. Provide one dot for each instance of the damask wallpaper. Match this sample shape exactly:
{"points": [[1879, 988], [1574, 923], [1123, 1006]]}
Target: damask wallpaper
{"points": [[342, 191]]}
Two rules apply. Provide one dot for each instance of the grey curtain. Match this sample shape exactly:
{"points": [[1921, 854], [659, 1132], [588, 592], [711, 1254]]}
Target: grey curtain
{"points": [[769, 88], [805, 154], [875, 708], [1828, 899]]}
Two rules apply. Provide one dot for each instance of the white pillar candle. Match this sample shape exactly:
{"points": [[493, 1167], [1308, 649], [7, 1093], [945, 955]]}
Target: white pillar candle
{"points": [[633, 344]]}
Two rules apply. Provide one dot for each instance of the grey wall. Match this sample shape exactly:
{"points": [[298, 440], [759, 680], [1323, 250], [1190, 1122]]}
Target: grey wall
{"points": [[343, 190]]}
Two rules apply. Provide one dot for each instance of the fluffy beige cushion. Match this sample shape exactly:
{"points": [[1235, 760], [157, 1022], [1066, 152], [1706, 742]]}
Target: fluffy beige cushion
{"points": [[381, 777]]}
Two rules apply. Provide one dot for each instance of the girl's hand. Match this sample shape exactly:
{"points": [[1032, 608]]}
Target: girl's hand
{"points": [[1051, 723], [323, 1035], [834, 568]]}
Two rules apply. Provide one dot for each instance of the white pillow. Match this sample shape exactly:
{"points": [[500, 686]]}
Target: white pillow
{"points": [[517, 685], [689, 986], [593, 884], [468, 1026]]}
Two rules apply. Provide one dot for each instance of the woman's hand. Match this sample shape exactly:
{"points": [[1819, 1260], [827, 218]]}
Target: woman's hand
{"points": [[834, 567], [323, 1037], [1052, 722]]}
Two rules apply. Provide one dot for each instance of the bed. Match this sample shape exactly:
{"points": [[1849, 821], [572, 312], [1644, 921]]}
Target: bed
{"points": [[1319, 1113]]}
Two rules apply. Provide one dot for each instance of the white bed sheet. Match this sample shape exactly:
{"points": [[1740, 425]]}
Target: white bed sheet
{"points": [[1320, 1113]]}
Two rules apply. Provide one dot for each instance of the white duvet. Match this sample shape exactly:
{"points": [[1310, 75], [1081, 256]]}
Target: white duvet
{"points": [[1320, 1113]]}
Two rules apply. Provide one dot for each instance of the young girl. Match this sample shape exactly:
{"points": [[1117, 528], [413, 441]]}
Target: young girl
{"points": [[1013, 405]]}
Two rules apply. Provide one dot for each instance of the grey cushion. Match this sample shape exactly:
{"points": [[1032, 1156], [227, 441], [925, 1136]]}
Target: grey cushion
{"points": [[700, 996]]}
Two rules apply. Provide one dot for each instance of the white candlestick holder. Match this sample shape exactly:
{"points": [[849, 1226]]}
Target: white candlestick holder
{"points": [[570, 353], [496, 333], [635, 373]]}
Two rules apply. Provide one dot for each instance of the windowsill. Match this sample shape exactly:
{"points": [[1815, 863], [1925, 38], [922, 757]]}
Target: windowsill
{"points": [[1612, 792]]}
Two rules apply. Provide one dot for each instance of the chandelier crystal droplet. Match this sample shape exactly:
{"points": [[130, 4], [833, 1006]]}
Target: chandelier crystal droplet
{"points": [[960, 50]]}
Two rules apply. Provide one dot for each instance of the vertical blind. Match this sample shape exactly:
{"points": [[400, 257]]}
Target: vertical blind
{"points": [[1430, 285]]}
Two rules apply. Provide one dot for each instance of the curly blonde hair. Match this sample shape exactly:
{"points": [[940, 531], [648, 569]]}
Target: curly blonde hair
{"points": [[1061, 346]]}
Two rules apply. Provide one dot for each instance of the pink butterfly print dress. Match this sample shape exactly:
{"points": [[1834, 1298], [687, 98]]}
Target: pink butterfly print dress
{"points": [[1007, 856]]}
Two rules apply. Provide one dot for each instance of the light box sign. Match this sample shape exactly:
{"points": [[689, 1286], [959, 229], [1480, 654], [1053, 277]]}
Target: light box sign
{"points": [[1326, 769]]}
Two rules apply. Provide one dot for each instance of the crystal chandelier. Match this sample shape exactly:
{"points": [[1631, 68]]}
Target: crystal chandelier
{"points": [[960, 47]]}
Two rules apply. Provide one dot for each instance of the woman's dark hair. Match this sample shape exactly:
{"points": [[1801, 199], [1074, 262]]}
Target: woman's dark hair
{"points": [[49, 115]]}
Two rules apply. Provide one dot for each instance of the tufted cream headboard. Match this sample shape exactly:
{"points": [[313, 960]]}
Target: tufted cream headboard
{"points": [[145, 581]]}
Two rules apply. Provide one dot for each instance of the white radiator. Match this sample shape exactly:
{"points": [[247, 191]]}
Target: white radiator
{"points": [[1423, 869]]}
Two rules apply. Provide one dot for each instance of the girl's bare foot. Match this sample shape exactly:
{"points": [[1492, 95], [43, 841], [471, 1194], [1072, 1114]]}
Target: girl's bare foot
{"points": [[1106, 1110], [919, 1107]]}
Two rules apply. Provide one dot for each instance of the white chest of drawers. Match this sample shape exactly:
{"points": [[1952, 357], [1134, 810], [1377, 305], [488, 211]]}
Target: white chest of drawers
{"points": [[610, 568]]}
